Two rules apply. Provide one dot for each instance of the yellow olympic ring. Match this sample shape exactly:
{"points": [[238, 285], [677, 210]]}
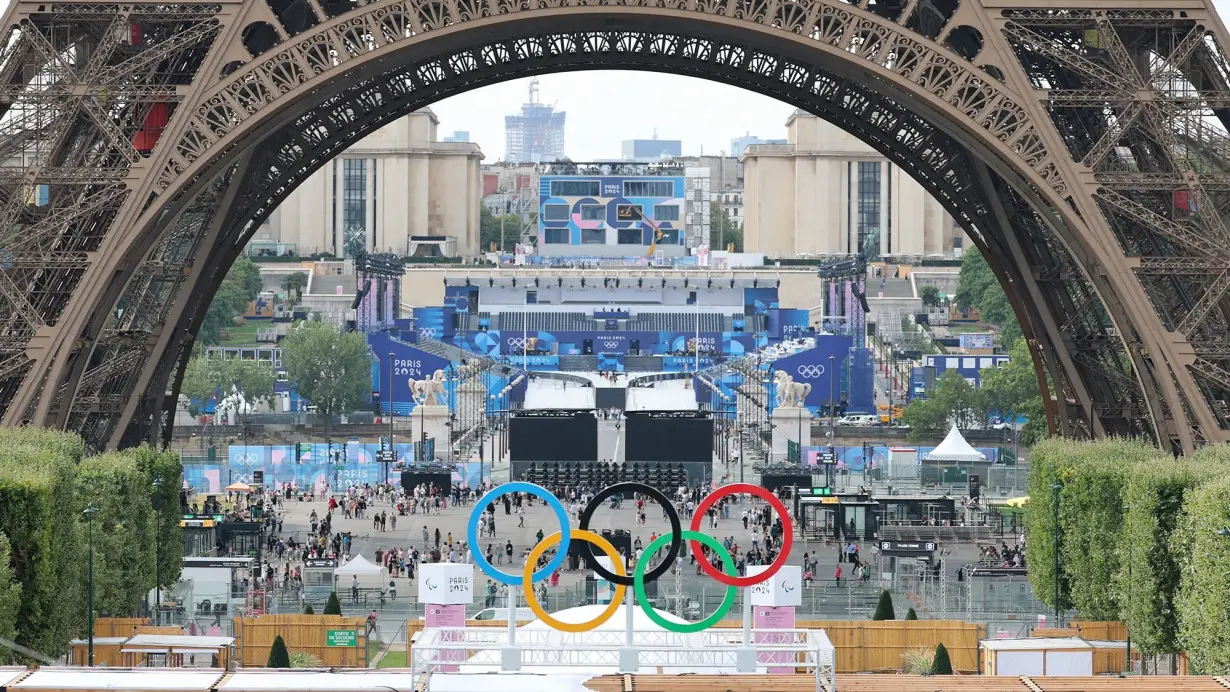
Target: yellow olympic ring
{"points": [[531, 599]]}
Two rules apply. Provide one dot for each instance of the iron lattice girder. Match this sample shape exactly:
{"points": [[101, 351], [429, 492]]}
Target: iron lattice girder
{"points": [[217, 113]]}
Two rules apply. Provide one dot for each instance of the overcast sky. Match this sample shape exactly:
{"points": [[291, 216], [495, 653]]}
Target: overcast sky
{"points": [[606, 107]]}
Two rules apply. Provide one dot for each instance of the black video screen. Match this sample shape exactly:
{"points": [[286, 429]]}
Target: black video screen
{"points": [[554, 438], [668, 439], [610, 397]]}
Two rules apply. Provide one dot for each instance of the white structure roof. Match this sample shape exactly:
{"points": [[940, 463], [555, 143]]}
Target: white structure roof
{"points": [[178, 640], [154, 679], [955, 448], [511, 682], [316, 680], [358, 565], [1035, 644], [10, 673]]}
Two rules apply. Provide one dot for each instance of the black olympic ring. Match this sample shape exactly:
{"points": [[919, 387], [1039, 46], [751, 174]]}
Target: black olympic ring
{"points": [[676, 532]]}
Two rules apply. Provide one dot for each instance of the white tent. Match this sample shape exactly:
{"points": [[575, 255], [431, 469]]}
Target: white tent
{"points": [[357, 566], [955, 448]]}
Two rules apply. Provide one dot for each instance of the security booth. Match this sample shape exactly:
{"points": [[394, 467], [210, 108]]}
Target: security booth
{"points": [[200, 534], [916, 510], [906, 562], [849, 516], [318, 578], [240, 537], [213, 586]]}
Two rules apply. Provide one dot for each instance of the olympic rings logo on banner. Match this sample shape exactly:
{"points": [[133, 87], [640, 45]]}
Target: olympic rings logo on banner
{"points": [[641, 573], [517, 342], [810, 372], [428, 332], [612, 344]]}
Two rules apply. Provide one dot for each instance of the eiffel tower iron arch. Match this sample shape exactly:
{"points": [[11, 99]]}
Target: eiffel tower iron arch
{"points": [[957, 103]]}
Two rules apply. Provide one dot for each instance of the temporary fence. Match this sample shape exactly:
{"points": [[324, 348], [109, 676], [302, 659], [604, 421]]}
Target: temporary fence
{"points": [[337, 641], [862, 645]]}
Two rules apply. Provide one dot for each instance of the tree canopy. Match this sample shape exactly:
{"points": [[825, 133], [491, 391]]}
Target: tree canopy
{"points": [[205, 378], [241, 285], [723, 230], [978, 287], [327, 367], [489, 231]]}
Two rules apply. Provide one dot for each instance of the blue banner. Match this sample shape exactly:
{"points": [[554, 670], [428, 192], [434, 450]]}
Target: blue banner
{"points": [[409, 363], [812, 367], [212, 479]]}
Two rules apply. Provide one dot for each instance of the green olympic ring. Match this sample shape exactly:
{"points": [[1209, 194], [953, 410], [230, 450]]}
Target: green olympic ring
{"points": [[638, 582]]}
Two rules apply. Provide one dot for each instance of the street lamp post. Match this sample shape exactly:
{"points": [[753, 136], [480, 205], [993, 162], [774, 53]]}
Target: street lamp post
{"points": [[1127, 620], [390, 456], [157, 551], [1055, 488], [89, 515], [832, 404]]}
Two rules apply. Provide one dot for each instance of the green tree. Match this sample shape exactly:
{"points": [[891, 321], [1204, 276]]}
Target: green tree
{"points": [[1090, 520], [910, 614], [977, 286], [329, 368], [38, 514], [1154, 494], [965, 405], [884, 609], [333, 606], [204, 378], [942, 664], [165, 467], [10, 599], [123, 531], [925, 417], [279, 657], [1203, 599], [930, 296], [241, 285], [723, 230], [489, 231], [294, 284], [308, 609], [1010, 390]]}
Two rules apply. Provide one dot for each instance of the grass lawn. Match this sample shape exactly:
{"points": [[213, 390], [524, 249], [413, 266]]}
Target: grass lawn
{"points": [[393, 659], [239, 336]]}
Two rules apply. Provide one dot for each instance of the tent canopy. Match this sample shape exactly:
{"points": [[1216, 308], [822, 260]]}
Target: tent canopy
{"points": [[955, 448], [239, 488], [357, 566]]}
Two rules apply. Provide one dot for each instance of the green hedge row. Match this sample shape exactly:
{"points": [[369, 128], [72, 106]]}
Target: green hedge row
{"points": [[1139, 542], [46, 481]]}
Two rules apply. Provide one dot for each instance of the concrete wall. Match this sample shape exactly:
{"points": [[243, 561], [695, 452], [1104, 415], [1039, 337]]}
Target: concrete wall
{"points": [[415, 185], [801, 197]]}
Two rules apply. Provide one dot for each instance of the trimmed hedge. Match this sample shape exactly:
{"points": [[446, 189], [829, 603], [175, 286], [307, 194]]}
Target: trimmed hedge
{"points": [[1155, 493], [164, 466], [1092, 475], [39, 516], [1203, 599], [123, 533]]}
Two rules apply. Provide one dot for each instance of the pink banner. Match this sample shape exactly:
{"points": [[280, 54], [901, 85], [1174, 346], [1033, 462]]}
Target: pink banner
{"points": [[770, 618], [450, 616]]}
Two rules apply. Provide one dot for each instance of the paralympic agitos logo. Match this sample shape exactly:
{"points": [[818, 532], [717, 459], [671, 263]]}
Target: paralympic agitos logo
{"points": [[641, 574]]}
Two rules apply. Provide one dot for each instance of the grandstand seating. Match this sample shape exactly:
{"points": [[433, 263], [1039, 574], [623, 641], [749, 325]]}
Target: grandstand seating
{"points": [[578, 363], [545, 321], [664, 477], [677, 322]]}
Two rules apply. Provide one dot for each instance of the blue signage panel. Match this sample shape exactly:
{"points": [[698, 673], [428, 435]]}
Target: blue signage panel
{"points": [[409, 363], [812, 366]]}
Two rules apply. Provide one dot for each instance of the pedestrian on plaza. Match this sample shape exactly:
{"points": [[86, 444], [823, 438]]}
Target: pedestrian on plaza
{"points": [[837, 575], [425, 535], [437, 537]]}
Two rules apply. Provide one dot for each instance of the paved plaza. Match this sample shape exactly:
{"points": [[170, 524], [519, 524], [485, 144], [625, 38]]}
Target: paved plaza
{"points": [[824, 596]]}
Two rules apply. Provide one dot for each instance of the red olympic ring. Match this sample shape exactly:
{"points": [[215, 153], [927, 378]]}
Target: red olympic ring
{"points": [[787, 533]]}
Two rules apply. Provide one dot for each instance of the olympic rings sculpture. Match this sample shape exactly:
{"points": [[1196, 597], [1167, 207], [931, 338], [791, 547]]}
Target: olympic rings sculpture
{"points": [[641, 574], [810, 372]]}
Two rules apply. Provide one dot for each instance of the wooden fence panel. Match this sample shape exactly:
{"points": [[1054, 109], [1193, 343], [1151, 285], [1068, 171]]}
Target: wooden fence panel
{"points": [[1054, 632], [1106, 630], [116, 627], [254, 637]]}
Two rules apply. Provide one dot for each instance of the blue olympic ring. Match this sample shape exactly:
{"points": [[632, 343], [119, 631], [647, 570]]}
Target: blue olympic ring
{"points": [[561, 513]]}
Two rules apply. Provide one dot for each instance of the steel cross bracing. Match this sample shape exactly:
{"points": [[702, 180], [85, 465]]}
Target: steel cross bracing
{"points": [[1083, 149]]}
